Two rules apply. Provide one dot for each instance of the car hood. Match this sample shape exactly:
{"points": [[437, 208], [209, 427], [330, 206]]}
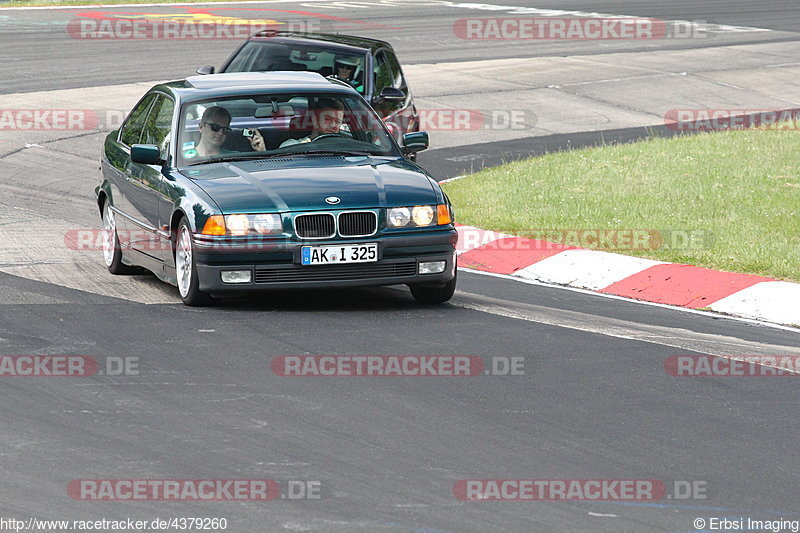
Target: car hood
{"points": [[303, 184]]}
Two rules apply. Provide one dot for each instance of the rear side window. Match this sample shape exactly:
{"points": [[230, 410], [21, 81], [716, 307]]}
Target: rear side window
{"points": [[132, 129]]}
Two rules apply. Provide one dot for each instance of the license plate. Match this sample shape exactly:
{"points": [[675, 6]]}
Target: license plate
{"points": [[334, 255]]}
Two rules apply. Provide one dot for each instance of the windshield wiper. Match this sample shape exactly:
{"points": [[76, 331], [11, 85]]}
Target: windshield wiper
{"points": [[231, 158], [333, 152]]}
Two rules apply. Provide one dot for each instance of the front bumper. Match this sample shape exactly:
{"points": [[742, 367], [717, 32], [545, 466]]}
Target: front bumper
{"points": [[277, 266]]}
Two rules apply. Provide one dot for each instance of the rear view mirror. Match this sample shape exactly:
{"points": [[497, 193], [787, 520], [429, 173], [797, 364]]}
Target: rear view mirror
{"points": [[391, 93], [415, 142], [281, 110]]}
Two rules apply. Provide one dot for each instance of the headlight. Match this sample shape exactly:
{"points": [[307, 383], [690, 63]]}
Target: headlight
{"points": [[418, 216], [399, 217], [237, 224], [422, 215], [266, 224], [241, 225]]}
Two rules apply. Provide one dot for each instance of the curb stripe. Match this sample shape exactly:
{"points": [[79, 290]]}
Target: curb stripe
{"points": [[588, 269], [621, 276], [684, 285], [776, 301], [510, 254]]}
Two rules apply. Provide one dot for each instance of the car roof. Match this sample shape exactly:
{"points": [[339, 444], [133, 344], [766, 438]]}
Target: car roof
{"points": [[231, 84], [331, 40]]}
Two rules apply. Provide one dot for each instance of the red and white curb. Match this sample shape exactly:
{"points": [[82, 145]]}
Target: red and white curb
{"points": [[743, 295]]}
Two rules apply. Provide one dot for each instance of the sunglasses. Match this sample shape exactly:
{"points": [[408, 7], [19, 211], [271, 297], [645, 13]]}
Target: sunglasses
{"points": [[216, 127]]}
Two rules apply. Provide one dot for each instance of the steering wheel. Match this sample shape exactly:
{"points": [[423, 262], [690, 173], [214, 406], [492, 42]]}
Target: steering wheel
{"points": [[324, 135]]}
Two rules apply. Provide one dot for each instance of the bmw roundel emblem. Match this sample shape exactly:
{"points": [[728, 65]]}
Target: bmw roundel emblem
{"points": [[333, 200]]}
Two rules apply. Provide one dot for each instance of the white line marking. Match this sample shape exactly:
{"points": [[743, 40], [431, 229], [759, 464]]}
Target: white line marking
{"points": [[448, 180], [615, 80], [675, 337]]}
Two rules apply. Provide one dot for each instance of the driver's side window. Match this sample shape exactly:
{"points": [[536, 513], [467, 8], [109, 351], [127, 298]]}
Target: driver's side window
{"points": [[132, 129], [382, 73], [159, 123]]}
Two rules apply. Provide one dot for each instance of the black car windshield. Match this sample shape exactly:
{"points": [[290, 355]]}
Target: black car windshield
{"points": [[267, 125], [256, 56]]}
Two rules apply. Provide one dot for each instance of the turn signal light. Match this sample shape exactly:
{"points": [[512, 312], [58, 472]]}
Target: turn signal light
{"points": [[215, 225], [443, 214]]}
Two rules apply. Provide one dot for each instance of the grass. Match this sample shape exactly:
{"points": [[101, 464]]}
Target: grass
{"points": [[68, 3], [737, 193]]}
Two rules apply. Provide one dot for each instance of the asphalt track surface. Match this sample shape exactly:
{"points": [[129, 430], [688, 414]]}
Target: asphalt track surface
{"points": [[41, 56], [594, 401]]}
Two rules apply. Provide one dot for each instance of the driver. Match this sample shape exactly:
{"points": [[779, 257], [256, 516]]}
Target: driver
{"points": [[326, 118], [214, 130], [344, 68]]}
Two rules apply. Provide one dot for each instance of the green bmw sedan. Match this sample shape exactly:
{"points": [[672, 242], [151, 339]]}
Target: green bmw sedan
{"points": [[248, 182]]}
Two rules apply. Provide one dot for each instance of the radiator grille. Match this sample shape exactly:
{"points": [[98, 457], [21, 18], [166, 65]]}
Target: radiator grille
{"points": [[358, 224], [315, 226]]}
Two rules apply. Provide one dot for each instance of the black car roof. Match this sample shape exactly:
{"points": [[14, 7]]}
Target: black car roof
{"points": [[330, 39], [230, 84]]}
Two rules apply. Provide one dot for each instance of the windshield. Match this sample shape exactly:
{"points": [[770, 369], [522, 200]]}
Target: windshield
{"points": [[266, 125], [270, 56]]}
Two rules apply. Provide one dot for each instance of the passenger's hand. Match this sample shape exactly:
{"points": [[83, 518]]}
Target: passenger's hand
{"points": [[257, 141]]}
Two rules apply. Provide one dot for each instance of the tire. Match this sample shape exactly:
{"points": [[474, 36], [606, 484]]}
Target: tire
{"points": [[112, 253], [434, 295], [186, 268]]}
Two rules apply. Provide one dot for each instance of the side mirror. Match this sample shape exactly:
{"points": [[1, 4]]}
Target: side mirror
{"points": [[146, 154], [205, 69], [390, 93], [415, 142]]}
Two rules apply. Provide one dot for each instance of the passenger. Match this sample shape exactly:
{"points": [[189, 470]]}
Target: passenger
{"points": [[214, 130], [326, 119]]}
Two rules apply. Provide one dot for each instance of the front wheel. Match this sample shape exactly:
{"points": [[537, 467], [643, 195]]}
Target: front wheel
{"points": [[434, 295], [186, 269]]}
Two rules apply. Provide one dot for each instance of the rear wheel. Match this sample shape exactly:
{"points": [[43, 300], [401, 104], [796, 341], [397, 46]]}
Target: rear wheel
{"points": [[112, 253], [434, 295], [186, 269]]}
